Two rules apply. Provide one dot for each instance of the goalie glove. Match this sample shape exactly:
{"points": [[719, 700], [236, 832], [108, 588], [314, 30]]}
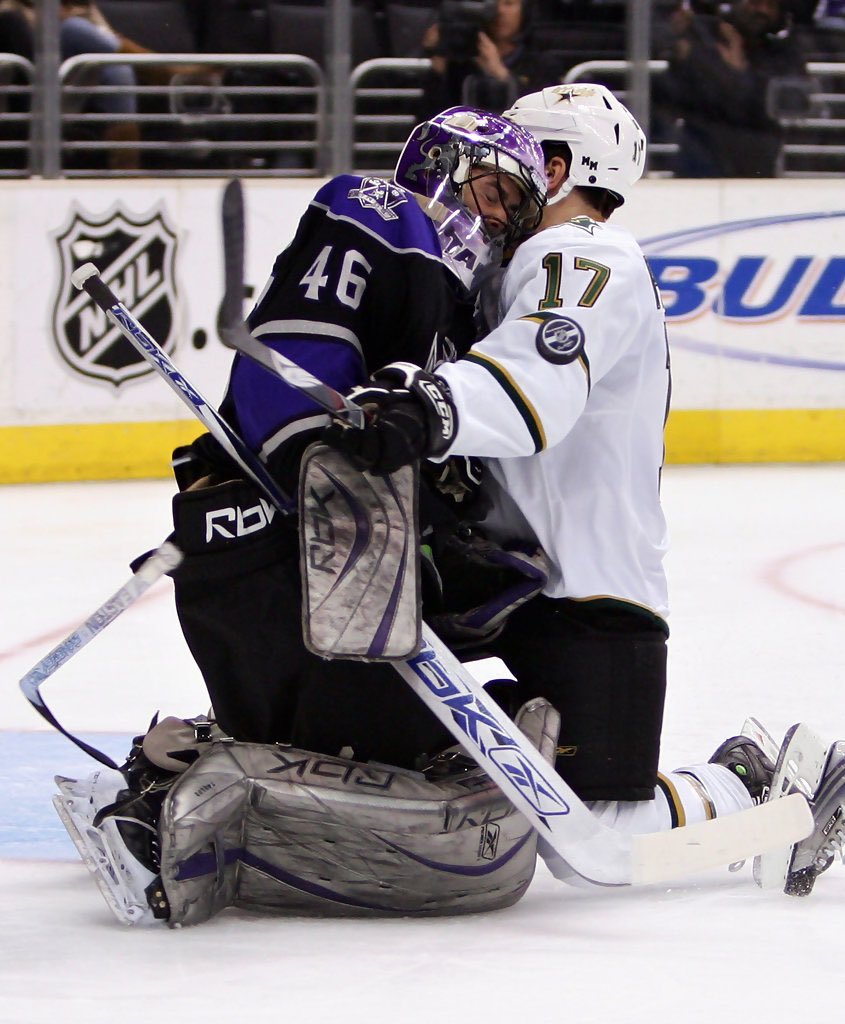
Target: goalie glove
{"points": [[410, 416]]}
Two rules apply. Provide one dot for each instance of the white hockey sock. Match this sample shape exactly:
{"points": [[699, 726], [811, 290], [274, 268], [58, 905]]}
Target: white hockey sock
{"points": [[683, 797]]}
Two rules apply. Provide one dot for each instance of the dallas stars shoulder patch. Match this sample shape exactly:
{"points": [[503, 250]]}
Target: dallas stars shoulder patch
{"points": [[560, 340]]}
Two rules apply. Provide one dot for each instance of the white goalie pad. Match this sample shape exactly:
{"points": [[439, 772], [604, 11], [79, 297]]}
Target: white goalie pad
{"points": [[279, 830], [359, 551]]}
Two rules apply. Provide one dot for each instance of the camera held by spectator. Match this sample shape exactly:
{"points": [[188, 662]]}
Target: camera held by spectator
{"points": [[730, 81], [460, 21], [481, 55]]}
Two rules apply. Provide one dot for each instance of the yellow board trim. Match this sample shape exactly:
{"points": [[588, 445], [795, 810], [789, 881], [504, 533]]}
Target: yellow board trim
{"points": [[91, 451], [755, 435], [123, 451]]}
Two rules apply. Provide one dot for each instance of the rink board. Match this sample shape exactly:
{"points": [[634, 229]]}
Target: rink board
{"points": [[131, 451], [755, 311]]}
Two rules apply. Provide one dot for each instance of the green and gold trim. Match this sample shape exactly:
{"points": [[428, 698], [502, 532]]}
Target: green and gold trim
{"points": [[677, 814], [702, 794], [525, 409]]}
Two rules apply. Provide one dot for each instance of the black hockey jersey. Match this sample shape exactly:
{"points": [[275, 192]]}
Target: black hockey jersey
{"points": [[362, 284]]}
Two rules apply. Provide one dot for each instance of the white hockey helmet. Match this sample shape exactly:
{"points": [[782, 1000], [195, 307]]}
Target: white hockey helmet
{"points": [[608, 146]]}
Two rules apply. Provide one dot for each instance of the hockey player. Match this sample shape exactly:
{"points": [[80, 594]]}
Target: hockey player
{"points": [[377, 270], [566, 402]]}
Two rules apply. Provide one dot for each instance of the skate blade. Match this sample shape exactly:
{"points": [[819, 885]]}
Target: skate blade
{"points": [[79, 794], [799, 769], [754, 730], [98, 860]]}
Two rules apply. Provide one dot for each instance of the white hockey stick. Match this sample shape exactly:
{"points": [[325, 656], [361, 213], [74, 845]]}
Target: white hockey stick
{"points": [[164, 559], [87, 278], [598, 853]]}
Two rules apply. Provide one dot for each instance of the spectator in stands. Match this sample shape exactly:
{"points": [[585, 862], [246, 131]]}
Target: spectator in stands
{"points": [[481, 55], [15, 30], [85, 30], [721, 66]]}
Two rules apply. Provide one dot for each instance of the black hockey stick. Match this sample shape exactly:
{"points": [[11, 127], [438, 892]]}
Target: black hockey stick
{"points": [[164, 559], [235, 334], [596, 852]]}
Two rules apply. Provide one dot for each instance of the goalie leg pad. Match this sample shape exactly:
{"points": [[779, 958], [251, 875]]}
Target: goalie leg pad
{"points": [[281, 830]]}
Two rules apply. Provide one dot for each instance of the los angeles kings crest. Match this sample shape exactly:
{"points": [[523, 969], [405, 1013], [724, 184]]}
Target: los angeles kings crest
{"points": [[136, 259]]}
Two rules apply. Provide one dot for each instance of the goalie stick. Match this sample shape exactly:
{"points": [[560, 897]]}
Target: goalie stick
{"points": [[599, 854], [87, 278], [164, 559]]}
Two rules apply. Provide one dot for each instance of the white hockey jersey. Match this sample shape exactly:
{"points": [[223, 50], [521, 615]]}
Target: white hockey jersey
{"points": [[566, 399]]}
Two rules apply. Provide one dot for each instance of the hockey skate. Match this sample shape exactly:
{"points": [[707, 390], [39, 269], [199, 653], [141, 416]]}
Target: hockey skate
{"points": [[122, 878], [112, 819], [745, 758], [807, 766]]}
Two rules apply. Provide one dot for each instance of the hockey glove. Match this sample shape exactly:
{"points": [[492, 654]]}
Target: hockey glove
{"points": [[410, 416]]}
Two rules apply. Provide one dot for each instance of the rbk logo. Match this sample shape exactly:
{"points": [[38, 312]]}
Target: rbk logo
{"points": [[321, 540], [234, 521]]}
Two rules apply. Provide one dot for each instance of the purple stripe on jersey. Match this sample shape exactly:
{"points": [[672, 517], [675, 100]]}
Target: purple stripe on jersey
{"points": [[265, 403], [384, 209]]}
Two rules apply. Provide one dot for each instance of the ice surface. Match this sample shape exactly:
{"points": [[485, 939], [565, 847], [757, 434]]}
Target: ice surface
{"points": [[757, 576]]}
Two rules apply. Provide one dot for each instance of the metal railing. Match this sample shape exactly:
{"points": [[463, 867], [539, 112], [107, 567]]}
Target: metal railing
{"points": [[813, 146], [197, 114], [811, 134], [386, 95], [194, 114], [267, 114], [16, 75]]}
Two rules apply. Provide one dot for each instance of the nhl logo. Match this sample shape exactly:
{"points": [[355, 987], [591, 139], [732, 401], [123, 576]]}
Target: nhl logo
{"points": [[136, 259]]}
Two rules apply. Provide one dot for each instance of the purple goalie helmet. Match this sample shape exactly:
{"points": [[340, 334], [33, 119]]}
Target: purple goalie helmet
{"points": [[444, 156]]}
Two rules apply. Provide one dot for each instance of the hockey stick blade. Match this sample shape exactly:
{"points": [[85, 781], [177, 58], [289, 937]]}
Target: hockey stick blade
{"points": [[164, 559], [232, 214], [600, 854], [235, 334], [87, 278], [663, 856]]}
